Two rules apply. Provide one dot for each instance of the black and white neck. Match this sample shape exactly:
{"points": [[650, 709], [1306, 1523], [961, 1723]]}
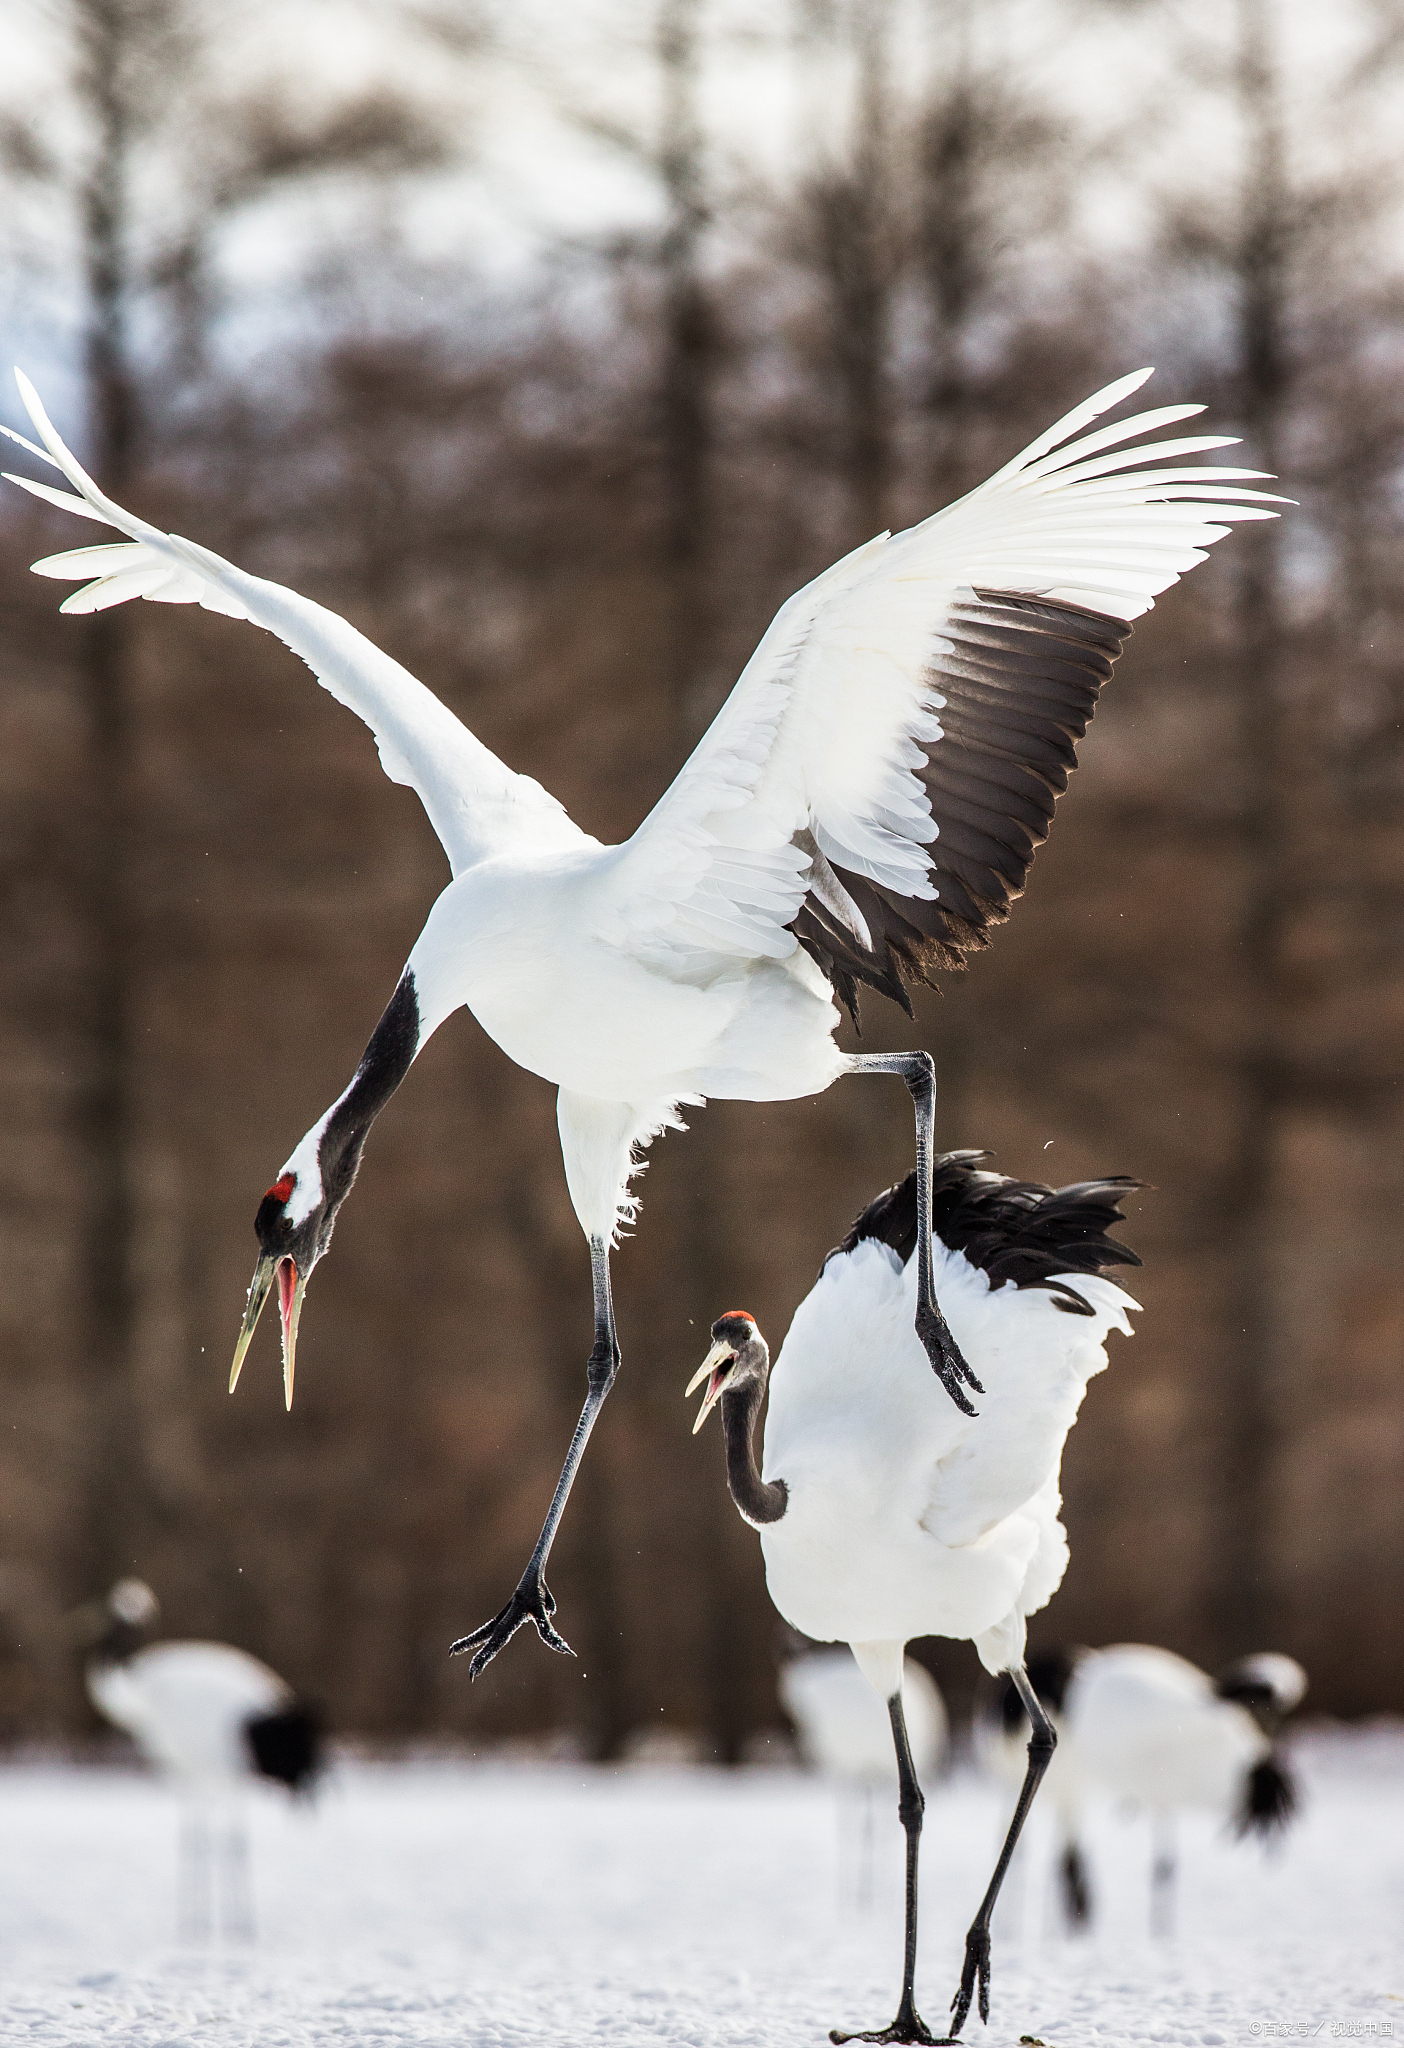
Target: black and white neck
{"points": [[297, 1214]]}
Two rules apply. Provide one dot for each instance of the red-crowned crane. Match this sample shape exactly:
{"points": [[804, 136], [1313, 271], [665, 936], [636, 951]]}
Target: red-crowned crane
{"points": [[1147, 1729], [863, 809], [211, 1719], [884, 1513]]}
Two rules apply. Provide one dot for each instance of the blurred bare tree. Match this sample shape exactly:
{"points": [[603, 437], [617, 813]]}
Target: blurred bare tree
{"points": [[1287, 245]]}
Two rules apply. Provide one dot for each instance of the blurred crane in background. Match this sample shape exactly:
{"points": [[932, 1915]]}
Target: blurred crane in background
{"points": [[1149, 1730], [214, 1721]]}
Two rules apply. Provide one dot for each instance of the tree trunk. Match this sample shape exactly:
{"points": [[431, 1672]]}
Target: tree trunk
{"points": [[1248, 1597], [865, 296], [107, 1105]]}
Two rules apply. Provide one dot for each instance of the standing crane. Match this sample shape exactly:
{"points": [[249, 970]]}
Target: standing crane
{"points": [[863, 809], [884, 1513], [211, 1719]]}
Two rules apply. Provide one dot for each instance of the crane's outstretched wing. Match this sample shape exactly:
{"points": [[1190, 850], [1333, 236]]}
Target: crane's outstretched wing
{"points": [[877, 782], [474, 802]]}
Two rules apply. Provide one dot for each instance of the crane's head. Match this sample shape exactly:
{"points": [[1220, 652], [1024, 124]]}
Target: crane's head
{"points": [[113, 1629], [739, 1357], [294, 1226], [1268, 1685]]}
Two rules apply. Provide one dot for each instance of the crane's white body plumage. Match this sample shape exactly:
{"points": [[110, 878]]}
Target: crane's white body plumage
{"points": [[647, 975], [187, 1707], [1146, 1727], [904, 1517], [842, 1728]]}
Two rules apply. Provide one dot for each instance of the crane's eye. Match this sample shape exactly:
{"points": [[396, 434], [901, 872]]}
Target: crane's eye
{"points": [[281, 1188]]}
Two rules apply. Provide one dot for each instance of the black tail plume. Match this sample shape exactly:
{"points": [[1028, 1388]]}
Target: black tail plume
{"points": [[288, 1746], [1269, 1799]]}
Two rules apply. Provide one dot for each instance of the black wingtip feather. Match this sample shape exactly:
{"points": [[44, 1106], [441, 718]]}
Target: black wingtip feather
{"points": [[1015, 1230]]}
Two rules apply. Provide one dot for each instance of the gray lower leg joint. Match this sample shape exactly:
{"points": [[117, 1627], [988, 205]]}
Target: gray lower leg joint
{"points": [[599, 1373]]}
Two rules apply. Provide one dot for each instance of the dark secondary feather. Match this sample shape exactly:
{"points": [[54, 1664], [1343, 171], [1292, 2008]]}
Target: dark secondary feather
{"points": [[1015, 1230], [1021, 681]]}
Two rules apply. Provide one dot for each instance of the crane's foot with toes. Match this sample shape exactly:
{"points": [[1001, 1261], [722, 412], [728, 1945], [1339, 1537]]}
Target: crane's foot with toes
{"points": [[908, 2026], [976, 1972], [947, 1362], [533, 1601]]}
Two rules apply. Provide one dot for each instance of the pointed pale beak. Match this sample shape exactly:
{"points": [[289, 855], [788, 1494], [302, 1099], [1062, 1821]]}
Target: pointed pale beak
{"points": [[259, 1288], [291, 1288], [714, 1364]]}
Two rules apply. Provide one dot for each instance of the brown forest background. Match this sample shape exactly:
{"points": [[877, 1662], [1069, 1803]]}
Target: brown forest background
{"points": [[569, 493]]}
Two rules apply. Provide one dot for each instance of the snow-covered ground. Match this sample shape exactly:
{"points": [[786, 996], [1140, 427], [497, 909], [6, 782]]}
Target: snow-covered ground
{"points": [[492, 1904]]}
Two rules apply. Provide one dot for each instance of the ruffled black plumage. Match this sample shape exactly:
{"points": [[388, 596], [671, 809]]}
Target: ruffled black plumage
{"points": [[1015, 1230]]}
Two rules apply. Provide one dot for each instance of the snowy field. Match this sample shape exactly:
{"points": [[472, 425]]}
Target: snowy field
{"points": [[496, 1904]]}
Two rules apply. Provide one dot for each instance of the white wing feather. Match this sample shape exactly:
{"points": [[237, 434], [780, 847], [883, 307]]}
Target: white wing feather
{"points": [[820, 736], [474, 802]]}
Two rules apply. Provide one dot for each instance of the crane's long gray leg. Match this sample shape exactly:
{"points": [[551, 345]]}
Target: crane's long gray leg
{"points": [[195, 1900], [532, 1600], [1163, 1878], [238, 1914], [919, 1073], [909, 2024], [1042, 1743]]}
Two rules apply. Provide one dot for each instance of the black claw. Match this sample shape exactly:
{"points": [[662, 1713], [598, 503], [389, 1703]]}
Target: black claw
{"points": [[531, 1602], [947, 1362], [975, 1973]]}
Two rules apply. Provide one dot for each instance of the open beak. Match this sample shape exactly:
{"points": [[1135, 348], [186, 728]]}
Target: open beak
{"points": [[716, 1365], [291, 1288]]}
